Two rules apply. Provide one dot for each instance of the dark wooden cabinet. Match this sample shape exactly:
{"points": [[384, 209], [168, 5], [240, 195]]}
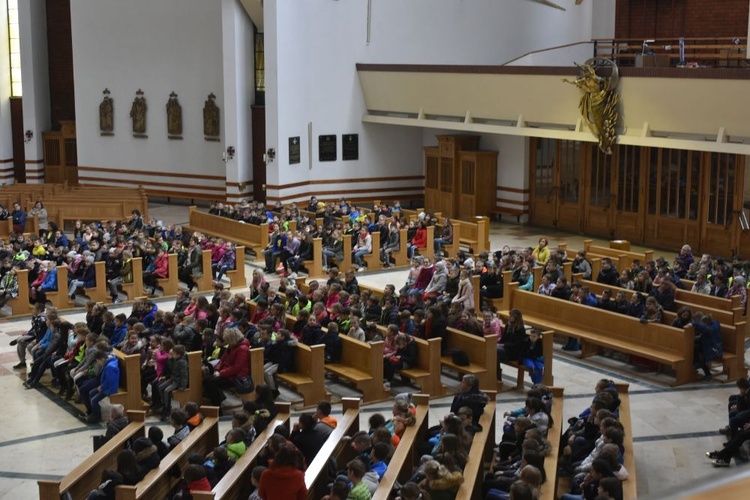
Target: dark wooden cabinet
{"points": [[61, 154]]}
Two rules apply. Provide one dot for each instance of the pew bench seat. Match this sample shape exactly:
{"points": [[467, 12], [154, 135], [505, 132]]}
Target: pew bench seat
{"points": [[348, 372], [418, 375], [471, 368], [586, 336]]}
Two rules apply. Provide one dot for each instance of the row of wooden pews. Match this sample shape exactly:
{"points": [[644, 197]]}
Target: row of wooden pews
{"points": [[87, 476], [733, 324], [236, 483]]}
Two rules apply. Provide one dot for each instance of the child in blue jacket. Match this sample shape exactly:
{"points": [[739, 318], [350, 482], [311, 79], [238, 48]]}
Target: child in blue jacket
{"points": [[109, 383]]}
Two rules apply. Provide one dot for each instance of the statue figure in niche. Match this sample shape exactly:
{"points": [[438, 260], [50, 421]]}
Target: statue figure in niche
{"points": [[174, 115], [211, 117], [138, 113], [106, 114]]}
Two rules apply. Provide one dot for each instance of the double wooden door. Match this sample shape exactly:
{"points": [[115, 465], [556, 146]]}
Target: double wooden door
{"points": [[661, 198]]}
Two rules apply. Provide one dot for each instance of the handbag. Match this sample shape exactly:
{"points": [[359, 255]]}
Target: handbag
{"points": [[244, 384]]}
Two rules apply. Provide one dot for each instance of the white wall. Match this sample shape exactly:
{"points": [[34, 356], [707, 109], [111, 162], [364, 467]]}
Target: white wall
{"points": [[239, 95], [312, 48], [603, 18], [6, 138], [32, 18], [159, 47]]}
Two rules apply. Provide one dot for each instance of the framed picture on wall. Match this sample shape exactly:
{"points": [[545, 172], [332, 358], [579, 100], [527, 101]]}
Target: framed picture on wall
{"points": [[327, 150], [350, 147]]}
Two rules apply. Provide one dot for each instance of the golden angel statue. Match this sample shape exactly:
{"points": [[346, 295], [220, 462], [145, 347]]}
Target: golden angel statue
{"points": [[599, 100]]}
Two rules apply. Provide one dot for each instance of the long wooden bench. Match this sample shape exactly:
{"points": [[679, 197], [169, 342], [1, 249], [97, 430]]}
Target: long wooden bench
{"points": [[171, 283], [406, 456], [336, 448], [257, 373], [99, 292], [59, 298], [476, 234], [625, 257], [205, 283], [309, 376], [87, 476], [129, 394], [236, 483], [19, 305], [548, 346], [426, 372], [548, 491], [629, 486], [135, 288], [362, 364], [597, 328], [194, 390], [372, 259], [236, 276], [482, 353], [254, 237], [480, 453], [159, 481], [732, 333]]}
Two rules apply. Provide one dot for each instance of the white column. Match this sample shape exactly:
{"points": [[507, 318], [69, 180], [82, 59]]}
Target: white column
{"points": [[271, 45], [32, 17], [6, 137], [238, 58]]}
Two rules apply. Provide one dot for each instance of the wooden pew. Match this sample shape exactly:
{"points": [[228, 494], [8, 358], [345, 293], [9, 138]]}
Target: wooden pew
{"points": [[450, 249], [480, 453], [361, 363], [625, 257], [59, 299], [406, 456], [256, 371], [129, 394], [476, 234], [373, 258], [548, 491], [732, 333], [596, 329], [695, 301], [629, 486], [194, 391], [426, 372], [548, 347], [316, 477], [170, 284], [237, 276], [236, 483], [159, 481], [315, 267], [205, 282], [401, 257], [309, 376], [482, 353], [20, 305], [135, 288], [100, 292], [87, 476], [254, 237]]}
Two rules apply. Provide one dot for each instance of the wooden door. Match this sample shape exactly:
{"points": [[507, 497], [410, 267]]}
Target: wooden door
{"points": [[544, 183], [467, 189], [722, 185], [431, 177], [598, 198], [629, 192], [570, 210], [673, 198]]}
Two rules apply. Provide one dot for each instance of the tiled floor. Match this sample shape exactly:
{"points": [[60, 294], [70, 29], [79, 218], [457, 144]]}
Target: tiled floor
{"points": [[40, 438]]}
